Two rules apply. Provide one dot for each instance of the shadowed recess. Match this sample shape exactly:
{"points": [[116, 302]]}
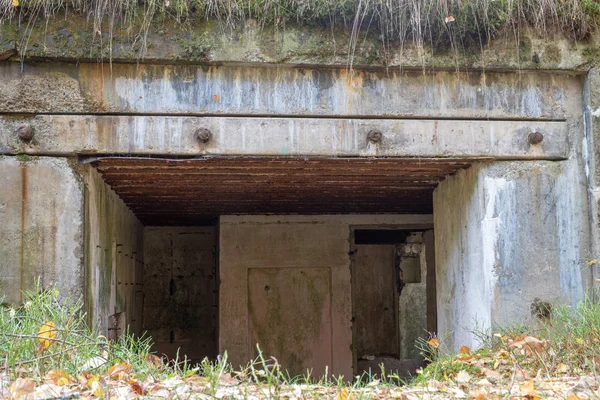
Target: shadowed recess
{"points": [[194, 191]]}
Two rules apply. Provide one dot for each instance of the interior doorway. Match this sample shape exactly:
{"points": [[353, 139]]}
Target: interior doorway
{"points": [[393, 291]]}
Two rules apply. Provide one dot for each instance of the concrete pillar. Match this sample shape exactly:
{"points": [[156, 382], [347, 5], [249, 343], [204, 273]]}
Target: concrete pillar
{"points": [[41, 226], [591, 154], [508, 235]]}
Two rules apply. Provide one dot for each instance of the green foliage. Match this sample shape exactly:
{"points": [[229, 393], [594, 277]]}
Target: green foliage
{"points": [[444, 24], [72, 345]]}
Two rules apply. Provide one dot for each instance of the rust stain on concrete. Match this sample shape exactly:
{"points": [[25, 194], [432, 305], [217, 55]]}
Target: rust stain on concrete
{"points": [[23, 212]]}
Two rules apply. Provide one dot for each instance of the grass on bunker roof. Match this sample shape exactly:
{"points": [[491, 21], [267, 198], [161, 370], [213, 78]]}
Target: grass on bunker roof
{"points": [[441, 24], [47, 350]]}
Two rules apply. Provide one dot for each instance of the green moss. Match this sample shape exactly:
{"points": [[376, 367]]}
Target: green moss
{"points": [[552, 54], [123, 25], [24, 157]]}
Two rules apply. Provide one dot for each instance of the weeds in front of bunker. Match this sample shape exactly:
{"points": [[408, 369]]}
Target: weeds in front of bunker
{"points": [[565, 342], [47, 342]]}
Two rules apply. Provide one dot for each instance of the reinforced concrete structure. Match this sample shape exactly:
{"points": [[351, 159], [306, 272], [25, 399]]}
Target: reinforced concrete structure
{"points": [[330, 215]]}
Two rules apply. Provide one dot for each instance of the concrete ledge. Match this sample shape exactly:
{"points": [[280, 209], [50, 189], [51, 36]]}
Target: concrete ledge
{"points": [[68, 135], [306, 92]]}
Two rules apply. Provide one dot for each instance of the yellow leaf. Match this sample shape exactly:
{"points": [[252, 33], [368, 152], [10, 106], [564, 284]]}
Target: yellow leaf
{"points": [[433, 342], [46, 333], [97, 389], [593, 262], [15, 3], [344, 395], [59, 377], [62, 381], [579, 341], [465, 350]]}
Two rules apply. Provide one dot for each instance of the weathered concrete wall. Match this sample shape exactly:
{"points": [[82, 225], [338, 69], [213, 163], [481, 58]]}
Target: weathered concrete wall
{"points": [[506, 235], [114, 258], [251, 90], [181, 291], [282, 255], [41, 226], [412, 307]]}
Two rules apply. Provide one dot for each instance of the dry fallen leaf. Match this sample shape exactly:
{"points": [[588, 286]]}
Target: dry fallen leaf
{"points": [[153, 360], [465, 350], [21, 388], [528, 390], [119, 371], [97, 389], [433, 342], [344, 394], [46, 333], [462, 377], [531, 344], [449, 19], [58, 377], [136, 387], [15, 3]]}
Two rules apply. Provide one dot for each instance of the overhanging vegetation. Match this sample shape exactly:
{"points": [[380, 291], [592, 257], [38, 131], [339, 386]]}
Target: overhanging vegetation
{"points": [[441, 24]]}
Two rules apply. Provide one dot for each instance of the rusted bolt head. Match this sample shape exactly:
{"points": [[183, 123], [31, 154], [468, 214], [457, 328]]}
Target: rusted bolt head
{"points": [[374, 136], [535, 137], [25, 133], [203, 135]]}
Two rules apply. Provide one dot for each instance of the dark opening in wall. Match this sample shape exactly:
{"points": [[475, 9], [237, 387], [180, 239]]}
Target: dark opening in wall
{"points": [[181, 291], [393, 302]]}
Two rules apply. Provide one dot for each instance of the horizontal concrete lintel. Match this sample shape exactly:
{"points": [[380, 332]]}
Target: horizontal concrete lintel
{"points": [[38, 88], [159, 135]]}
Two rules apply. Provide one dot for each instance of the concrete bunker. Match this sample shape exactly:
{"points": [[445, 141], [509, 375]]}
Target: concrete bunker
{"points": [[272, 199], [291, 254]]}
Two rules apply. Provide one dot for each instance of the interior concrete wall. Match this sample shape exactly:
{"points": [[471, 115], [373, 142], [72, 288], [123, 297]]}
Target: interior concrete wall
{"points": [[181, 290], [412, 308], [113, 258], [281, 248], [508, 235], [41, 226]]}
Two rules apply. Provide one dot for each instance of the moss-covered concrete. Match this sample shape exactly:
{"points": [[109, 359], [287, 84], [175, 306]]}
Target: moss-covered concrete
{"points": [[73, 38]]}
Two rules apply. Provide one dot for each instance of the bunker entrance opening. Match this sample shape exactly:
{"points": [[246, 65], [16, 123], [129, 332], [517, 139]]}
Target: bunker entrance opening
{"points": [[393, 298], [225, 236]]}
